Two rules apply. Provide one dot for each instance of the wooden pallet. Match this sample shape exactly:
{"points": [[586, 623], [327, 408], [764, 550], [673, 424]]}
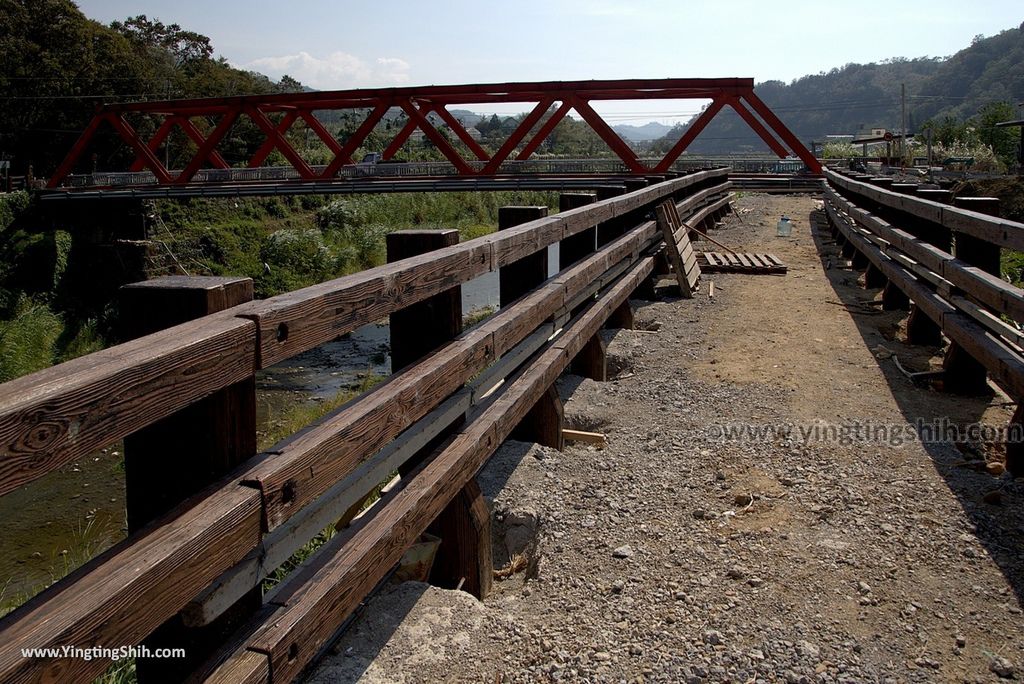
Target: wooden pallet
{"points": [[680, 251], [746, 262]]}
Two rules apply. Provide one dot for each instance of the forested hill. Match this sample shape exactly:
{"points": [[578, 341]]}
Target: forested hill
{"points": [[856, 96], [56, 65]]}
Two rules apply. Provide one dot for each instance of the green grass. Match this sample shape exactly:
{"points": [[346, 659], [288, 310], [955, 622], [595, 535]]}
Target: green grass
{"points": [[36, 337], [300, 416], [476, 316], [287, 243]]}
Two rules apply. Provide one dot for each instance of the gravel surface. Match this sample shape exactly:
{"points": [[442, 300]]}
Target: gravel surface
{"points": [[676, 555]]}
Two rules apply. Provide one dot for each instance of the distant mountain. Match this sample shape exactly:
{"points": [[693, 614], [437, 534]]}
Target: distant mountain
{"points": [[649, 131], [858, 96]]}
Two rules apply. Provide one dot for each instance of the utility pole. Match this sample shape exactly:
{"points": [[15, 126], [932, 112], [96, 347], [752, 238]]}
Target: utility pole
{"points": [[903, 122]]}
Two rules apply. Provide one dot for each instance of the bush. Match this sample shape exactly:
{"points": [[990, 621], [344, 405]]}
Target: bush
{"points": [[12, 204], [839, 150], [301, 251], [28, 341], [985, 160], [338, 217]]}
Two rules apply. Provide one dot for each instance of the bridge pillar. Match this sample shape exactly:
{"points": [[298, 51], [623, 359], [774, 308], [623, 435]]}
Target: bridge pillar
{"points": [[172, 459], [518, 278], [464, 556]]}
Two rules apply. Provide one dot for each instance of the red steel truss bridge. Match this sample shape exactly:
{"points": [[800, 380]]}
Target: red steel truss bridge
{"points": [[208, 122]]}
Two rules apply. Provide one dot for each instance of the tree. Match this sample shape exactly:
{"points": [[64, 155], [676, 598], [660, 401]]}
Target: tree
{"points": [[184, 46], [1004, 141]]}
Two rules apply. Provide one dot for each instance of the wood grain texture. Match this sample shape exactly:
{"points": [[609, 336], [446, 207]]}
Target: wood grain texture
{"points": [[1004, 366], [521, 276], [991, 290], [311, 611], [121, 596], [297, 321], [669, 230], [464, 527], [50, 418], [249, 667], [307, 464], [1002, 232], [204, 442]]}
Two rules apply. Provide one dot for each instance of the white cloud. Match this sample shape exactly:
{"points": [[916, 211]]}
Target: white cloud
{"points": [[336, 71]]}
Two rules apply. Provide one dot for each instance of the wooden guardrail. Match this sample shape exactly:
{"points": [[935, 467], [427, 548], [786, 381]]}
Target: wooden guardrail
{"points": [[943, 261], [201, 559]]}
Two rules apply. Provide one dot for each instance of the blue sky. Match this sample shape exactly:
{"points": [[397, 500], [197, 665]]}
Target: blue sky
{"points": [[342, 44]]}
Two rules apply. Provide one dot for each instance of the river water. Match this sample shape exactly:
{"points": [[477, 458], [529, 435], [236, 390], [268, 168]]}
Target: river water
{"points": [[72, 514]]}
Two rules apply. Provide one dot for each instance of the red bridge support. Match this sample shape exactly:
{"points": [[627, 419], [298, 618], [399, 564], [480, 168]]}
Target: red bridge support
{"points": [[207, 123]]}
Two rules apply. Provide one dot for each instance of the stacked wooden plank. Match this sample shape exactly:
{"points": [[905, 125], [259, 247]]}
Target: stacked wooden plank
{"points": [[677, 246], [740, 262]]}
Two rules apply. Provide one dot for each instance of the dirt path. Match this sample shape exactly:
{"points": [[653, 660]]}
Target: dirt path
{"points": [[681, 553]]}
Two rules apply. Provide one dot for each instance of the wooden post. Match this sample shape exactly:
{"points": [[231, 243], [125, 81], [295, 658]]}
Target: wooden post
{"points": [[921, 329], [873, 278], [622, 317], [609, 230], [421, 328], [932, 233], [518, 278], [985, 255], [858, 260], [963, 373], [575, 247], [894, 298], [592, 360], [1015, 442], [543, 424], [172, 459], [464, 525], [936, 195], [469, 560], [633, 184]]}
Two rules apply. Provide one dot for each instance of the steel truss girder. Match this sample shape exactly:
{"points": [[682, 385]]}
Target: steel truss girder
{"points": [[275, 115]]}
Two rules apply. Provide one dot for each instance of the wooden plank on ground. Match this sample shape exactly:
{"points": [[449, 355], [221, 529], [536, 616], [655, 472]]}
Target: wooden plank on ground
{"points": [[587, 437]]}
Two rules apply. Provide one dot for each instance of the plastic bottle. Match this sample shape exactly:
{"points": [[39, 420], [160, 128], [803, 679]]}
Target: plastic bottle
{"points": [[784, 227]]}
